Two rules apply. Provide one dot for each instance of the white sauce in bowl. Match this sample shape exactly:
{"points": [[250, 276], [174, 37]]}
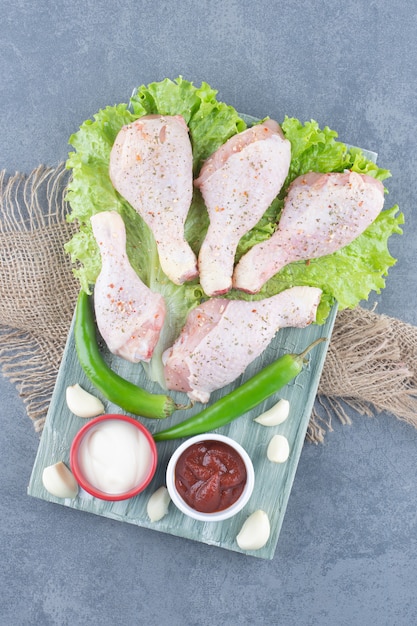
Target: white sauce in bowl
{"points": [[114, 456]]}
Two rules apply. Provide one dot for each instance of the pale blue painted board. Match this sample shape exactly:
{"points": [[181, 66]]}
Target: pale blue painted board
{"points": [[273, 482]]}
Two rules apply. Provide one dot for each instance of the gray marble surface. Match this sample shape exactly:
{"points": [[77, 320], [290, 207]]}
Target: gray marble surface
{"points": [[348, 549]]}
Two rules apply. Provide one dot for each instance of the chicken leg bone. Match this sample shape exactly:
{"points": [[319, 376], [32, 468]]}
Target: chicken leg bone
{"points": [[238, 183], [129, 315], [322, 213], [151, 167], [222, 337]]}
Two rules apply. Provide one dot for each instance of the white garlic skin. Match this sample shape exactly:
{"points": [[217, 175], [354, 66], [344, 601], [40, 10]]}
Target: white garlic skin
{"points": [[277, 414], [278, 449], [255, 531], [59, 481], [82, 403], [158, 504]]}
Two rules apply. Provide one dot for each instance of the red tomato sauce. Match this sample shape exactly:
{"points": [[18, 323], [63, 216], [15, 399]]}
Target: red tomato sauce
{"points": [[210, 476]]}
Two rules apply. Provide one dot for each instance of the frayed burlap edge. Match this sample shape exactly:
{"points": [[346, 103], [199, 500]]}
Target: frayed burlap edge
{"points": [[370, 366], [37, 289], [31, 363]]}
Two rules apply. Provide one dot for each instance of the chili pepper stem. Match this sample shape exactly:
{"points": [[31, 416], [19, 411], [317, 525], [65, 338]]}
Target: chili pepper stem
{"points": [[184, 407], [303, 354]]}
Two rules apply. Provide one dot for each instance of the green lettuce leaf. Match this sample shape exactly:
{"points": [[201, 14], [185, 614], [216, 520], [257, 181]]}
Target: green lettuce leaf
{"points": [[346, 277], [90, 190], [313, 149]]}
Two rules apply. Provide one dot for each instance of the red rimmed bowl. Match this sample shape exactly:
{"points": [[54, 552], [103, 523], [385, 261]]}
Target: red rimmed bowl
{"points": [[113, 457]]}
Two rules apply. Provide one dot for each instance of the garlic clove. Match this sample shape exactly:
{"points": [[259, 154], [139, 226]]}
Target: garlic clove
{"points": [[59, 481], [158, 504], [82, 403], [275, 415], [278, 449], [255, 531]]}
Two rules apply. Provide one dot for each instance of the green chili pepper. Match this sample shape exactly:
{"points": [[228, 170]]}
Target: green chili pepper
{"points": [[121, 392], [254, 391]]}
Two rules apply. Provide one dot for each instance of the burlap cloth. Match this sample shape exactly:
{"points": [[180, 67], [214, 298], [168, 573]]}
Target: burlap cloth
{"points": [[371, 363]]}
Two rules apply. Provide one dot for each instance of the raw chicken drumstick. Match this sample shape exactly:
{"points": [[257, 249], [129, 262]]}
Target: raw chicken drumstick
{"points": [[151, 167], [322, 213], [238, 183], [222, 337], [129, 315]]}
